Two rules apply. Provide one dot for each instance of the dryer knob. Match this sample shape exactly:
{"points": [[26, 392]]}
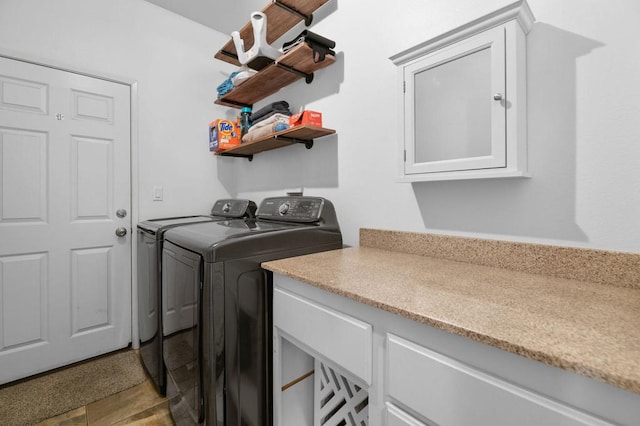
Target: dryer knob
{"points": [[283, 209]]}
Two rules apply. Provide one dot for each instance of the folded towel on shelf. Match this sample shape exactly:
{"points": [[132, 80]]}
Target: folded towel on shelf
{"points": [[321, 46], [227, 85], [281, 107], [243, 75], [275, 118], [263, 131]]}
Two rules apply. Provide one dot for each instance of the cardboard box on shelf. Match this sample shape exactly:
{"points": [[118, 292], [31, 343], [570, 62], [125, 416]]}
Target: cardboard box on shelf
{"points": [[223, 134], [311, 118]]}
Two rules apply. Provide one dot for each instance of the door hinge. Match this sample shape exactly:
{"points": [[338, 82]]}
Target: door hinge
{"points": [[405, 155], [404, 87]]}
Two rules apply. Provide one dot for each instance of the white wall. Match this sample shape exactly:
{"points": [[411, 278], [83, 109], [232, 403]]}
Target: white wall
{"points": [[584, 131], [170, 57], [584, 104]]}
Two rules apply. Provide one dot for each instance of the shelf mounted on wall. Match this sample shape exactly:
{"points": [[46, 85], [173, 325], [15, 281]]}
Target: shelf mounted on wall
{"points": [[304, 134], [295, 64], [308, 18], [282, 15], [304, 55]]}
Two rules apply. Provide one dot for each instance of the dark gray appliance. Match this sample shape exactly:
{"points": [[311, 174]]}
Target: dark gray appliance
{"points": [[149, 254], [219, 364]]}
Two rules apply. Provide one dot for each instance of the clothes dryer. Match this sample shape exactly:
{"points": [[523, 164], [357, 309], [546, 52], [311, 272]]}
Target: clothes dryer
{"points": [[219, 360], [149, 261]]}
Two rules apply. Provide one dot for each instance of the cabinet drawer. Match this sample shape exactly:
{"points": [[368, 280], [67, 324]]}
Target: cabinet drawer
{"points": [[337, 337], [450, 393]]}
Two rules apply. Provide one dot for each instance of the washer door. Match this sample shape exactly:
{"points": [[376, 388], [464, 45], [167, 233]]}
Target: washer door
{"points": [[181, 295]]}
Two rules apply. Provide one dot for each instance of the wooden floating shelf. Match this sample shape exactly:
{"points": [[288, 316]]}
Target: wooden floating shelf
{"points": [[288, 68], [280, 19], [298, 134], [297, 63]]}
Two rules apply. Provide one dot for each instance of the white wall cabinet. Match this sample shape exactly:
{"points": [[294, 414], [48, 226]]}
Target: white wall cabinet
{"points": [[421, 376], [463, 101]]}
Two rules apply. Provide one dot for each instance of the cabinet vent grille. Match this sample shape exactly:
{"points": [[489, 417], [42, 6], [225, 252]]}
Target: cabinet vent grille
{"points": [[338, 401]]}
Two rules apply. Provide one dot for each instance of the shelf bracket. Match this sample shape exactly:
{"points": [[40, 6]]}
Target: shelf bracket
{"points": [[234, 104], [229, 54], [308, 19], [231, 154], [308, 78], [307, 143]]}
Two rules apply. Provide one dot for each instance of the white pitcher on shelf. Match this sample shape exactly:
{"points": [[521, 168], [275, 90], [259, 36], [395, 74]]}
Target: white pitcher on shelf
{"points": [[260, 46]]}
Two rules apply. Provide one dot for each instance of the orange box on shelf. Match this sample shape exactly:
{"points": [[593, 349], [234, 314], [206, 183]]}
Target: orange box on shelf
{"points": [[223, 134], [312, 118]]}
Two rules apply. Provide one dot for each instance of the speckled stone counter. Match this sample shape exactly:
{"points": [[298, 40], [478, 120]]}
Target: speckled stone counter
{"points": [[590, 325]]}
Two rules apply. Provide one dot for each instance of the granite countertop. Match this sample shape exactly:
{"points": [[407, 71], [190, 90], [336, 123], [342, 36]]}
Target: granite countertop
{"points": [[591, 328]]}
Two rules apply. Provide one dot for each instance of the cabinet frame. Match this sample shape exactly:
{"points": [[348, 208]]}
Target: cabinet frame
{"points": [[516, 20]]}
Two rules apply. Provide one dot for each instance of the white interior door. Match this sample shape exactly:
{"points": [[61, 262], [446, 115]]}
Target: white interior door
{"points": [[65, 277]]}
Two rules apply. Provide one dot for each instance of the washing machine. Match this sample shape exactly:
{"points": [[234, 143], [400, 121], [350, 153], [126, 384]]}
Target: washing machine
{"points": [[219, 354], [149, 261]]}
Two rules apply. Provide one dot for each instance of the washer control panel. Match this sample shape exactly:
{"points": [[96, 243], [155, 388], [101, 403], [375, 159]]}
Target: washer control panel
{"points": [[292, 209]]}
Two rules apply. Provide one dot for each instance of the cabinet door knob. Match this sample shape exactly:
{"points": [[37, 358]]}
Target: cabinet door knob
{"points": [[497, 97]]}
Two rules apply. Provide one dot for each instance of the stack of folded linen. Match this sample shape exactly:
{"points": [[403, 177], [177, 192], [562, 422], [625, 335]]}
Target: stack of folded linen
{"points": [[235, 79], [279, 107], [321, 46], [227, 85], [243, 75], [276, 122]]}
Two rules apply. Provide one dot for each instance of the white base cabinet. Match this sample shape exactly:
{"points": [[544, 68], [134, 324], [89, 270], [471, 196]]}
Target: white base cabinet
{"points": [[416, 375], [448, 392]]}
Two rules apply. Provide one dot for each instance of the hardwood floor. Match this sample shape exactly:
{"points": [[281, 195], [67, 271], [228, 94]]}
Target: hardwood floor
{"points": [[139, 405]]}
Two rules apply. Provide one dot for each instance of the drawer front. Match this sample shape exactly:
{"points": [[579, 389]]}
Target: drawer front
{"points": [[337, 337], [449, 393], [397, 417]]}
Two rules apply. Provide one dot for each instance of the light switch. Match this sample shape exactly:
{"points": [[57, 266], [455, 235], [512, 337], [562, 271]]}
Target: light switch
{"points": [[157, 193]]}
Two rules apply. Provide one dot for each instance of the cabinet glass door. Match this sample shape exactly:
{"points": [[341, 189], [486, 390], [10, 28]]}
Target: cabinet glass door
{"points": [[455, 107]]}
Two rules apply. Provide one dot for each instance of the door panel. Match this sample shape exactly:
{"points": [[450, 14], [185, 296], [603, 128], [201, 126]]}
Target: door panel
{"points": [[92, 178], [92, 106], [23, 294], [90, 289], [23, 158], [22, 95], [64, 171]]}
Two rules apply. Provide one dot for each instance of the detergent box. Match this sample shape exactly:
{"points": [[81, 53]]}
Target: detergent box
{"points": [[311, 118], [223, 134]]}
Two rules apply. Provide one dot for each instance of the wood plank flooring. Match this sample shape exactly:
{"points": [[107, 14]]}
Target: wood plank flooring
{"points": [[139, 405]]}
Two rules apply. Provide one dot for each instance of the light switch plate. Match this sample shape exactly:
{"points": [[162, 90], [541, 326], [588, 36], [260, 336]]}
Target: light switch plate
{"points": [[157, 193]]}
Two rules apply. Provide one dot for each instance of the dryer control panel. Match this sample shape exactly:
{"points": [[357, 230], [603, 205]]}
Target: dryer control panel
{"points": [[234, 208], [291, 209]]}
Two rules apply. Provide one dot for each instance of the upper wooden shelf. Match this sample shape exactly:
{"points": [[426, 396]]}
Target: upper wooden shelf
{"points": [[282, 15], [293, 65], [298, 134]]}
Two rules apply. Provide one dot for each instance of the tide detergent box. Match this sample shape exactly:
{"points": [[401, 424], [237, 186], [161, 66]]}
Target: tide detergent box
{"points": [[311, 118], [223, 134]]}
